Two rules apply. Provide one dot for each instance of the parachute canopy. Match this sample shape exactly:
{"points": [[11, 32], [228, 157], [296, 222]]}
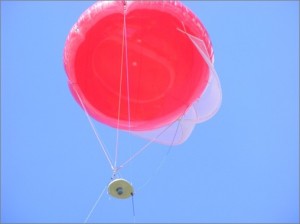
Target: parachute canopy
{"points": [[143, 66]]}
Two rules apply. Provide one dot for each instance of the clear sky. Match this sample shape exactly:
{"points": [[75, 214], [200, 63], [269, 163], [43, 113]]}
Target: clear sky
{"points": [[240, 166]]}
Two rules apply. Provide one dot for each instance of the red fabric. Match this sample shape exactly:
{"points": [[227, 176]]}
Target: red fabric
{"points": [[166, 73]]}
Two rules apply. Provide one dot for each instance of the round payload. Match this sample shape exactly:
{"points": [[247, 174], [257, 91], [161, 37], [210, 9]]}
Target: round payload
{"points": [[120, 188]]}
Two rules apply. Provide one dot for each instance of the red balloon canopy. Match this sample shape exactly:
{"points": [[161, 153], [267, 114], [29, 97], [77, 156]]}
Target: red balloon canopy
{"points": [[131, 67]]}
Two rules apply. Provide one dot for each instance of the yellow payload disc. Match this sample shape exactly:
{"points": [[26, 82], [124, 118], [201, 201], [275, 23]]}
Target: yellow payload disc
{"points": [[120, 188]]}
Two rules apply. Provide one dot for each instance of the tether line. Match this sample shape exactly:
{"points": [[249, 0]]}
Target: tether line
{"points": [[95, 205]]}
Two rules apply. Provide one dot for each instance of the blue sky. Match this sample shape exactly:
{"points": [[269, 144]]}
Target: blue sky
{"points": [[240, 166]]}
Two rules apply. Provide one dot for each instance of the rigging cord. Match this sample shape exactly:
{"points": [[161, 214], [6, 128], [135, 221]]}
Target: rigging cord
{"points": [[124, 164], [126, 62], [124, 45], [95, 131], [119, 105], [162, 161]]}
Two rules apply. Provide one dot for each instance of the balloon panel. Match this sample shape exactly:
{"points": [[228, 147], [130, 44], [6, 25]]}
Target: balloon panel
{"points": [[205, 107], [146, 82]]}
